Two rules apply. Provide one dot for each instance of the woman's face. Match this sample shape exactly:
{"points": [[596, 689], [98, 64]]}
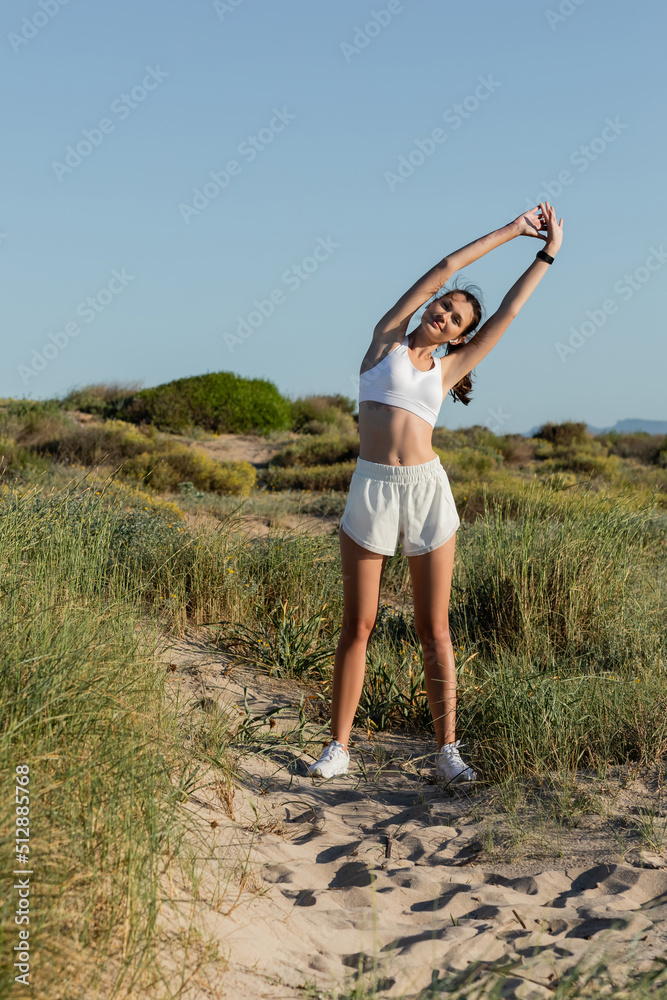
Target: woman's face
{"points": [[447, 318]]}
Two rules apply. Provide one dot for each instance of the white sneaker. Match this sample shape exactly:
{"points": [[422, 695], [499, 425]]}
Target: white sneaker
{"points": [[332, 762], [449, 766]]}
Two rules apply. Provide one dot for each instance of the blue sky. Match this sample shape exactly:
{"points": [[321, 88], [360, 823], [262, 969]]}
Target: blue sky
{"points": [[115, 269]]}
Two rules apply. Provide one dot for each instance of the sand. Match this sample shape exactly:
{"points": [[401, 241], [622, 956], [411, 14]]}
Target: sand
{"points": [[385, 875]]}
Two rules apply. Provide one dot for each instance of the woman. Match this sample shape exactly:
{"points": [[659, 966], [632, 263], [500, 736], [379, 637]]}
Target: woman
{"points": [[399, 489]]}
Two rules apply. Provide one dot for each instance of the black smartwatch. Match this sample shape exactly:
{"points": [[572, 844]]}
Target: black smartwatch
{"points": [[543, 255]]}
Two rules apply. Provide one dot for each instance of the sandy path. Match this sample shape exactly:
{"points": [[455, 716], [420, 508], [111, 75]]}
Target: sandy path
{"points": [[251, 448], [385, 872]]}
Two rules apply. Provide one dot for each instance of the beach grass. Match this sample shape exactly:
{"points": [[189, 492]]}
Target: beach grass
{"points": [[557, 615], [83, 695]]}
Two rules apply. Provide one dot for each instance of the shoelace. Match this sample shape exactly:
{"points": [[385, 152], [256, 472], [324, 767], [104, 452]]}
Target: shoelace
{"points": [[331, 749], [452, 748]]}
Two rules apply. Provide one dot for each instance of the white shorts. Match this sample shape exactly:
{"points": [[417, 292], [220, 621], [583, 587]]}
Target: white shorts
{"points": [[410, 503]]}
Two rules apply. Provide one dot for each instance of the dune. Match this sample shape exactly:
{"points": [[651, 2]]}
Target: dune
{"points": [[385, 875]]}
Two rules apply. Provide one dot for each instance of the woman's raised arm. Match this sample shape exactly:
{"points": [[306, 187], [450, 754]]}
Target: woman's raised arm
{"points": [[462, 361], [528, 224]]}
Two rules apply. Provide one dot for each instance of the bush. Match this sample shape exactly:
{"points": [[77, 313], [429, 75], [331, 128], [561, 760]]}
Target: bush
{"points": [[218, 401], [321, 414], [127, 497], [90, 444], [477, 437], [565, 434], [645, 448], [28, 422], [590, 459], [15, 459], [165, 468], [27, 407], [147, 456], [314, 477], [516, 449], [325, 450], [466, 463], [103, 399]]}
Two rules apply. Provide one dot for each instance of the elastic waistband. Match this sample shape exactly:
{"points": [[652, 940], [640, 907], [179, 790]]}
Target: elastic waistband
{"points": [[401, 473]]}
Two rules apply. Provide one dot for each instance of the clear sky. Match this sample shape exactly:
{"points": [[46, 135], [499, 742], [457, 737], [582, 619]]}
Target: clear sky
{"points": [[176, 175]]}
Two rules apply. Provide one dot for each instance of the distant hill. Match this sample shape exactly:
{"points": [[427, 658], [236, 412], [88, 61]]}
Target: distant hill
{"points": [[636, 424], [629, 426]]}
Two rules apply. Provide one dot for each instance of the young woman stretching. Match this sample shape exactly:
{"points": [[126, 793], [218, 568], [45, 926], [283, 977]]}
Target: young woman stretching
{"points": [[399, 489]]}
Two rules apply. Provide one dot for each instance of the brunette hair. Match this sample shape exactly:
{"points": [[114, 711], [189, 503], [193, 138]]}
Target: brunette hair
{"points": [[463, 389]]}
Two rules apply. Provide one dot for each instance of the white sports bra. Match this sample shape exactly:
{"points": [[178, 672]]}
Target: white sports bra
{"points": [[396, 381]]}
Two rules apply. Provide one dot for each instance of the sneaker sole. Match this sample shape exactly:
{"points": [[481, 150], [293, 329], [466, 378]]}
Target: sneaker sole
{"points": [[318, 774], [457, 780]]}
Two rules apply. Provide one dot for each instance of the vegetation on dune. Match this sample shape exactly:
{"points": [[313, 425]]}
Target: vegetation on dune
{"points": [[83, 697], [143, 454], [219, 401], [557, 614], [323, 414]]}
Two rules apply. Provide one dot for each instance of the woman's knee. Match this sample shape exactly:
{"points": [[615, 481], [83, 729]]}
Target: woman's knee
{"points": [[357, 627], [433, 633]]}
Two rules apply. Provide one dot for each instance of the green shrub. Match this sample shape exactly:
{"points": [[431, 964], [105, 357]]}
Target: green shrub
{"points": [[644, 448], [467, 463], [516, 449], [218, 401], [90, 444], [325, 450], [543, 449], [321, 414], [22, 408], [590, 459], [314, 477], [477, 437], [145, 455], [164, 468], [103, 399], [565, 434], [15, 459], [30, 422]]}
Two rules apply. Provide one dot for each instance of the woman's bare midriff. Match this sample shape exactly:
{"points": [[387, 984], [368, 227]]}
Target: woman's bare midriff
{"points": [[391, 435]]}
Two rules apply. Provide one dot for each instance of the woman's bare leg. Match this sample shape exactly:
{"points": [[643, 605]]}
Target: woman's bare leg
{"points": [[362, 572], [431, 586]]}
